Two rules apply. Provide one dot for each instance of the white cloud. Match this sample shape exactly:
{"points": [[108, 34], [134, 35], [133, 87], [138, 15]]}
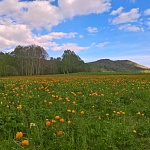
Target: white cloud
{"points": [[72, 46], [147, 12], [129, 27], [100, 45], [56, 35], [13, 35], [20, 17], [130, 16], [81, 36], [71, 8], [148, 23], [92, 29], [118, 11], [39, 14]]}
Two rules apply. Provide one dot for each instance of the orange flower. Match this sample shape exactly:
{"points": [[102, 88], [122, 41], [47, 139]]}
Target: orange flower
{"points": [[118, 113], [50, 103], [82, 112], [68, 110], [61, 120], [60, 99], [48, 123], [57, 117], [19, 107], [60, 133], [123, 113], [19, 135], [25, 142], [74, 103], [53, 121], [102, 95]]}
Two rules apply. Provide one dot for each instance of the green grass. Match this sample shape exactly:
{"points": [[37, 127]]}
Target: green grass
{"points": [[114, 106]]}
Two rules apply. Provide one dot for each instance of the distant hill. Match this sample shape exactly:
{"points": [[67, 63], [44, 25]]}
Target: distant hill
{"points": [[117, 66]]}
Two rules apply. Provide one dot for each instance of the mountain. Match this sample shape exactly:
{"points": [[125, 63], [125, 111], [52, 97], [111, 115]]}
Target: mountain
{"points": [[117, 66]]}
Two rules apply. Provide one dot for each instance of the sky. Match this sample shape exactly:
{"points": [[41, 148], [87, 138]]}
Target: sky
{"points": [[93, 29]]}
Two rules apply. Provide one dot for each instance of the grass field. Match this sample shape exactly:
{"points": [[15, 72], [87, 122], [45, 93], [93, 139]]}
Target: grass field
{"points": [[75, 112]]}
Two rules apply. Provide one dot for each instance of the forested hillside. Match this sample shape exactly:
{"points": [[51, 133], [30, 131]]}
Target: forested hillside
{"points": [[116, 66], [33, 60]]}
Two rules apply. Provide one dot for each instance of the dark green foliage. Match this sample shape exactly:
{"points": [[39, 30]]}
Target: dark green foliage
{"points": [[32, 60]]}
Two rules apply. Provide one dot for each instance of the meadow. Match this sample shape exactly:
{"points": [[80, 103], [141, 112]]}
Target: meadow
{"points": [[75, 112]]}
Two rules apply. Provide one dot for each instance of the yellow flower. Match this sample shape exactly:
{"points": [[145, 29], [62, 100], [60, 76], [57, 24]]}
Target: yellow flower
{"points": [[69, 122], [73, 111], [134, 131], [99, 118], [138, 113], [7, 106], [19, 135], [107, 115], [25, 142], [32, 124]]}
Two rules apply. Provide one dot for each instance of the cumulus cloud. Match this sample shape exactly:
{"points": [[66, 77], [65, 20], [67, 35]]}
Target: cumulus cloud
{"points": [[148, 23], [129, 27], [130, 16], [19, 19], [71, 8], [92, 29], [118, 11], [39, 14], [72, 46], [147, 12], [13, 35]]}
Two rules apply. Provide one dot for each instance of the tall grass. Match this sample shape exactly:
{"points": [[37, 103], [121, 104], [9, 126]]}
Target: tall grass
{"points": [[100, 112]]}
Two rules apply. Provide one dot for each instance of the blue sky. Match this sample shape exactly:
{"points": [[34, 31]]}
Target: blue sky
{"points": [[94, 29]]}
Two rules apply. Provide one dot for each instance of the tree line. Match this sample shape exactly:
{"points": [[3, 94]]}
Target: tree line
{"points": [[33, 60]]}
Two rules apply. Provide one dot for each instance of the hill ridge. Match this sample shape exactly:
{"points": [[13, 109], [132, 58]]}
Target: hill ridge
{"points": [[116, 65]]}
